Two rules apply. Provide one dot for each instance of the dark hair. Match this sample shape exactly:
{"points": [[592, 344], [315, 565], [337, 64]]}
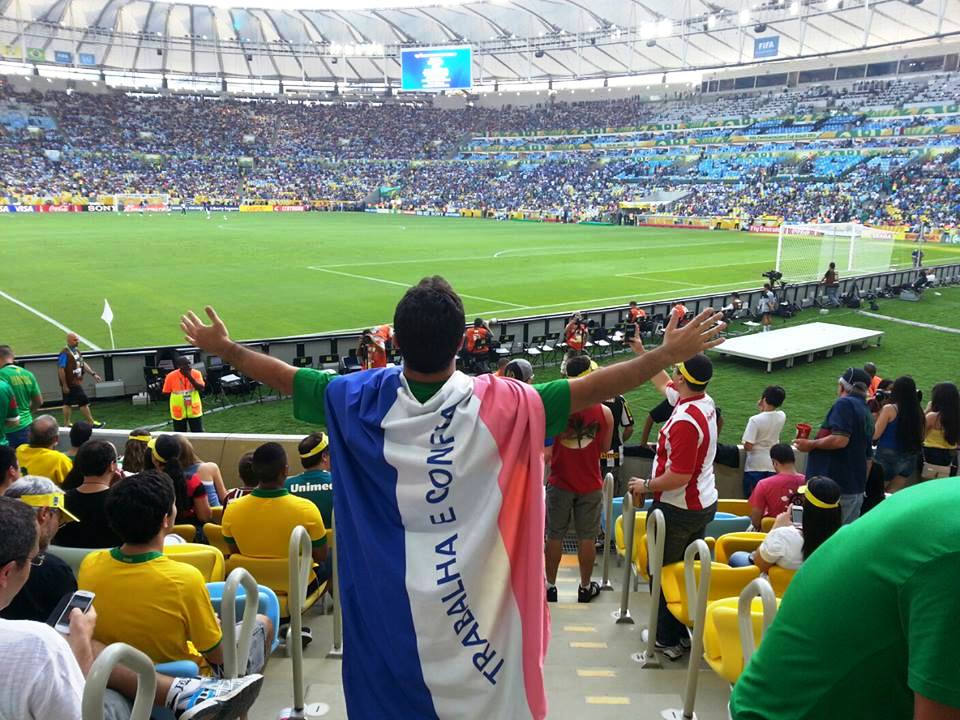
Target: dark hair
{"points": [[94, 458], [945, 401], [820, 523], [269, 462], [5, 352], [137, 506], [428, 325], [575, 365], [245, 469], [135, 452], [700, 367], [18, 531], [8, 459], [911, 422], [80, 432], [774, 395], [168, 448], [783, 454], [308, 444]]}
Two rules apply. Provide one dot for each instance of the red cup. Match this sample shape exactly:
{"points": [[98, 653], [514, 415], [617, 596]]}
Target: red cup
{"points": [[803, 431]]}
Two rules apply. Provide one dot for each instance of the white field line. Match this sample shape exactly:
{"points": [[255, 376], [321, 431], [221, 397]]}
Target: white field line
{"points": [[407, 285], [49, 319], [914, 323], [693, 267]]}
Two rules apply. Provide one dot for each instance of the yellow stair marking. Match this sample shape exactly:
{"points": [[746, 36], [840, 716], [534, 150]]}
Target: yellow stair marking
{"points": [[607, 700], [589, 645], [596, 673], [579, 628]]}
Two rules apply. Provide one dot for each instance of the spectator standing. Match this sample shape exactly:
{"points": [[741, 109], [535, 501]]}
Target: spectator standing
{"points": [[575, 337], [49, 667], [831, 285], [683, 484], [146, 599], [184, 385], [71, 367], [575, 488], [772, 494], [381, 424], [842, 446], [96, 464], [887, 649], [9, 467], [623, 424], [761, 434], [788, 545], [314, 483], [942, 431], [26, 390], [768, 305], [51, 578], [898, 434], [249, 480], [9, 411], [208, 472], [40, 456]]}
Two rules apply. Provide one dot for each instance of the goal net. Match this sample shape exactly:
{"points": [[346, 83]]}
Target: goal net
{"points": [[142, 202], [804, 251]]}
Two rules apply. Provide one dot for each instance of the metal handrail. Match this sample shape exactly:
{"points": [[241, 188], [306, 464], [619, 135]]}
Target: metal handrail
{"points": [[656, 535], [99, 675], [236, 651], [758, 587], [608, 531], [337, 650], [697, 594], [300, 564], [629, 521]]}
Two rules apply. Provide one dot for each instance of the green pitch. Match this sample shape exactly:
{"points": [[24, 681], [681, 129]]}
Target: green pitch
{"points": [[271, 275]]}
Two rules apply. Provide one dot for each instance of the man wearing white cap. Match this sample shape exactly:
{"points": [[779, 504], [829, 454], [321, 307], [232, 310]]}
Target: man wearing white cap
{"points": [[52, 578]]}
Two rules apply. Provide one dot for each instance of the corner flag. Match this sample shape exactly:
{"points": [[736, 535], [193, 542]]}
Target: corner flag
{"points": [[107, 317]]}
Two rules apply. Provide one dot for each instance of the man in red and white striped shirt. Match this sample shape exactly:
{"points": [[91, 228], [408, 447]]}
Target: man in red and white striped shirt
{"points": [[683, 484]]}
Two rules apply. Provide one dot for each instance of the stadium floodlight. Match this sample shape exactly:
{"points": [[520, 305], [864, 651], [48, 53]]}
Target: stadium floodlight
{"points": [[648, 29], [711, 21], [795, 7], [664, 27], [745, 16]]}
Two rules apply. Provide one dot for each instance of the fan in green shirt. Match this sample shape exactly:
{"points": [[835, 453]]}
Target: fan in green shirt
{"points": [[870, 626], [8, 410], [24, 385]]}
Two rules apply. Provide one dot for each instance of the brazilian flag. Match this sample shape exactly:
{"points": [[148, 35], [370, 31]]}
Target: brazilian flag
{"points": [[36, 54]]}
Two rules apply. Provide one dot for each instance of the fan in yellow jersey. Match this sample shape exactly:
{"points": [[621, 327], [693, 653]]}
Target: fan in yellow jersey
{"points": [[259, 524], [40, 456], [144, 598]]}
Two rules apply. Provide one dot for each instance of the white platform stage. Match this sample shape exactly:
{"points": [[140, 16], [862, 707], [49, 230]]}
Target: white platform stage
{"points": [[797, 341]]}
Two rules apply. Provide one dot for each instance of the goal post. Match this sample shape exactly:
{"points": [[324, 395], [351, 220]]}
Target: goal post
{"points": [[804, 251], [142, 202]]}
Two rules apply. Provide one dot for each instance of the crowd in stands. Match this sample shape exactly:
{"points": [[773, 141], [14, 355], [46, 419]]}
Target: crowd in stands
{"points": [[75, 145]]}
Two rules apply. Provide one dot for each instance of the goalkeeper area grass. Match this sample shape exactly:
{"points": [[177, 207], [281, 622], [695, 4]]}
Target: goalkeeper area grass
{"points": [[271, 275]]}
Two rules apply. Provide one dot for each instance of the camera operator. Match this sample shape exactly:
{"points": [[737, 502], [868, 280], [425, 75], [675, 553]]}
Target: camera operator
{"points": [[831, 285], [768, 304], [635, 317], [575, 336], [477, 344]]}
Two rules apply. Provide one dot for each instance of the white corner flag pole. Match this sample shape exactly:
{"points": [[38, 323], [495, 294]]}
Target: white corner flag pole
{"points": [[107, 317]]}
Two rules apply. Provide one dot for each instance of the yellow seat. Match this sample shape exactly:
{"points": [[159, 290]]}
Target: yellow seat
{"points": [[274, 573], [721, 636], [730, 543], [216, 515], [214, 535], [734, 506], [185, 530], [766, 524], [208, 560], [725, 582], [779, 579], [639, 552]]}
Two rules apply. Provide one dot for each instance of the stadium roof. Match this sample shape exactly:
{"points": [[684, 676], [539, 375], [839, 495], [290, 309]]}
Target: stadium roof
{"points": [[357, 42]]}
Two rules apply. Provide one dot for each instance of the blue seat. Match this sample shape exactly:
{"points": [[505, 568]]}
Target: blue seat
{"points": [[724, 523], [268, 605], [618, 510], [178, 668]]}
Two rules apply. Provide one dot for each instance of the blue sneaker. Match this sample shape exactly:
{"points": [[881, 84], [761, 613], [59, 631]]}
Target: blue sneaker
{"points": [[217, 699]]}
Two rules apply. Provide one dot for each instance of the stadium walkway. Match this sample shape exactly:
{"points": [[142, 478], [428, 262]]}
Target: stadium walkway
{"points": [[585, 638]]}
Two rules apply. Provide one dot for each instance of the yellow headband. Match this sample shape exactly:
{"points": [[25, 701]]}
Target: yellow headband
{"points": [[593, 366], [815, 501], [682, 369], [140, 438], [54, 501], [152, 444], [321, 446]]}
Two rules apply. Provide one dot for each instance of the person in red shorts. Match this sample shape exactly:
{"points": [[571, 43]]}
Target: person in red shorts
{"points": [[575, 487], [772, 494]]}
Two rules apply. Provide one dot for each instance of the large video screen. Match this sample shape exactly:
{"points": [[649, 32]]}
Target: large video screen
{"points": [[435, 69]]}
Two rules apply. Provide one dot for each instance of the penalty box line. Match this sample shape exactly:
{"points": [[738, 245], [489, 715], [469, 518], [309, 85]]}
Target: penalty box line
{"points": [[49, 319], [408, 285]]}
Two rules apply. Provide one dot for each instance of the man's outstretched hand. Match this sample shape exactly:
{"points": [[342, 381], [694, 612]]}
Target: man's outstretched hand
{"points": [[698, 335], [209, 338]]}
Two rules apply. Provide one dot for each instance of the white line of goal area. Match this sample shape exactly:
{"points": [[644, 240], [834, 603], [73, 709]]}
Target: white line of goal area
{"points": [[49, 319]]}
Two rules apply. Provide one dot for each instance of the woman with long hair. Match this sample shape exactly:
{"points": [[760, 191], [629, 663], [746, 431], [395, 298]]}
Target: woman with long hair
{"points": [[135, 451], [788, 545], [208, 472], [942, 431], [191, 498], [898, 433]]}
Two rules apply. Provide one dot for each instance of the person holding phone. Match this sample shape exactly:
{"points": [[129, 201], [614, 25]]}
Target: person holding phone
{"points": [[798, 530]]}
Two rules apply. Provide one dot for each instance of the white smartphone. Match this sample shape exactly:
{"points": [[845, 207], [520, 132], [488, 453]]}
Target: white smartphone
{"points": [[796, 515], [80, 599]]}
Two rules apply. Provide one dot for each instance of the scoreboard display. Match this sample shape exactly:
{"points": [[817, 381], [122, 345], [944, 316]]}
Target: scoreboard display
{"points": [[435, 69]]}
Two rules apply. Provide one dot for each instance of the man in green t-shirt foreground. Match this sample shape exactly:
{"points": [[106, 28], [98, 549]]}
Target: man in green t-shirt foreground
{"points": [[26, 390], [9, 413], [870, 626], [439, 507]]}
